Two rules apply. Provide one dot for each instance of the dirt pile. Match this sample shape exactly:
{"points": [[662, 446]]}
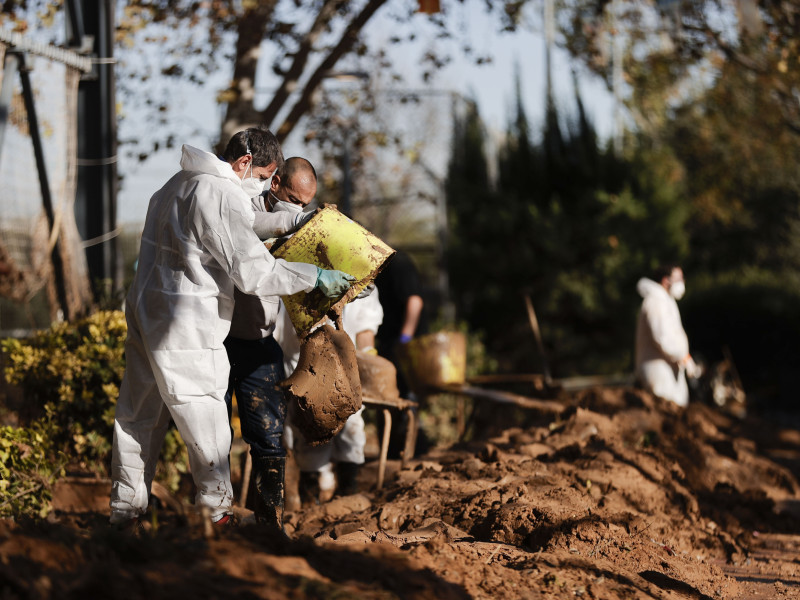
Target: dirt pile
{"points": [[622, 496]]}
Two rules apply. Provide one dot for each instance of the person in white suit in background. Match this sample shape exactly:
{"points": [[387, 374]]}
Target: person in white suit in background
{"points": [[662, 347]]}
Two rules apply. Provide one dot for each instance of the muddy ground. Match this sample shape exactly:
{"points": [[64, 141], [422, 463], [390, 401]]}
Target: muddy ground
{"points": [[621, 496]]}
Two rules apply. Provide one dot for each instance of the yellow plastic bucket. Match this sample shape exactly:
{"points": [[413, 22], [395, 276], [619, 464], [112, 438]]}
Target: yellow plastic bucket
{"points": [[435, 360], [330, 240]]}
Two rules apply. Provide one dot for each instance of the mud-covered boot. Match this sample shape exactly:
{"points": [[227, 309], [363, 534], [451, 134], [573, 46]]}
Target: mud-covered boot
{"points": [[308, 488], [269, 479], [346, 478]]}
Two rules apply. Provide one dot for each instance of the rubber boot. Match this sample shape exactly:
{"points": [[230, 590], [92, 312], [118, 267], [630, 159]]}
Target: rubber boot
{"points": [[269, 479], [309, 488], [346, 475]]}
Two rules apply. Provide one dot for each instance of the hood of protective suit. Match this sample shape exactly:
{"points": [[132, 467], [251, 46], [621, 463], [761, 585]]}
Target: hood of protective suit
{"points": [[647, 287], [194, 159]]}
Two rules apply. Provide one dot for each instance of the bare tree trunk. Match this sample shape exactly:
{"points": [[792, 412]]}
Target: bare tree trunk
{"points": [[240, 113]]}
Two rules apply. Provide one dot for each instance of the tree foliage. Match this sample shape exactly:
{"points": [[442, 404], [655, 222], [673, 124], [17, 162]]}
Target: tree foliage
{"points": [[741, 166], [740, 158], [27, 472], [672, 51], [71, 373], [161, 42], [567, 222], [715, 85]]}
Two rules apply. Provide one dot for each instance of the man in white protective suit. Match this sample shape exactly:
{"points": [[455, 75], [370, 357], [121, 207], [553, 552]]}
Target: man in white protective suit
{"points": [[361, 319], [197, 246], [662, 347]]}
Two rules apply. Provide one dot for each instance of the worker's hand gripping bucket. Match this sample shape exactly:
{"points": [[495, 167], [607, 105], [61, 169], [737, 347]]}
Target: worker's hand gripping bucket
{"points": [[435, 361], [331, 241]]}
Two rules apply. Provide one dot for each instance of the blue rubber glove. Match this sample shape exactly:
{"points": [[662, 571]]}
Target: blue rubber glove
{"points": [[333, 283]]}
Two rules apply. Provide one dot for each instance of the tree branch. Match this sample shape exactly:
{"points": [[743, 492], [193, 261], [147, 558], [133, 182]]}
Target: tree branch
{"points": [[289, 82], [730, 51], [345, 44]]}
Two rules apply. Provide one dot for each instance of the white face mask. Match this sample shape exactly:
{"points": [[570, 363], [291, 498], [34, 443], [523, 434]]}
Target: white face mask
{"points": [[677, 290], [279, 205], [252, 186]]}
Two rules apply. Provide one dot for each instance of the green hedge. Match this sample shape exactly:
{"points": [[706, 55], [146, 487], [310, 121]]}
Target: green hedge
{"points": [[72, 373], [28, 469]]}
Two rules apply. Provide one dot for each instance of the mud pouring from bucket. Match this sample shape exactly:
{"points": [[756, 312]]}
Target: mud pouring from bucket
{"points": [[325, 388]]}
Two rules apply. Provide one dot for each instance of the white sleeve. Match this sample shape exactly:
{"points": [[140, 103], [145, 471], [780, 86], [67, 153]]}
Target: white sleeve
{"points": [[272, 225], [224, 219], [258, 204], [363, 314]]}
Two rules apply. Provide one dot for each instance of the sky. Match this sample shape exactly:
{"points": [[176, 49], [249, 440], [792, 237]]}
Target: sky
{"points": [[492, 86]]}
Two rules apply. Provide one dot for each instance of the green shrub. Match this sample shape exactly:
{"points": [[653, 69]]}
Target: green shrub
{"points": [[72, 372], [27, 472]]}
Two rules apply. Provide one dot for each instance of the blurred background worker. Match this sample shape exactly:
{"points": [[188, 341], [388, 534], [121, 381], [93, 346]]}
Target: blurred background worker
{"points": [[662, 347], [256, 358], [404, 318], [403, 310], [197, 247], [344, 454]]}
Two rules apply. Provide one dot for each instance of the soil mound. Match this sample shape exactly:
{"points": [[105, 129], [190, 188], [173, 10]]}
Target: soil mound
{"points": [[620, 496]]}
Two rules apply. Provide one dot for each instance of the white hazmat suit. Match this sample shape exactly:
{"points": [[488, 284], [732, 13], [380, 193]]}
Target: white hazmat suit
{"points": [[661, 344], [197, 245]]}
